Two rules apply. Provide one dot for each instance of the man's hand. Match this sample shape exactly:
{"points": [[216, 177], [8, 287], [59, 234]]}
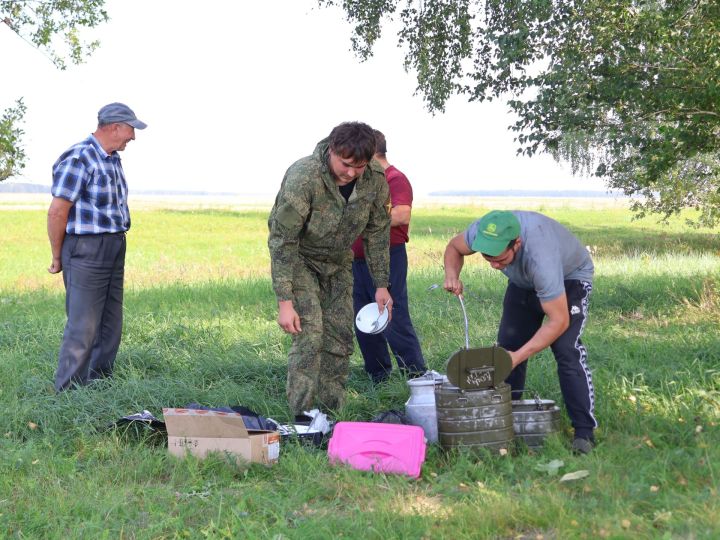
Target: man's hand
{"points": [[516, 359], [55, 266], [453, 285], [384, 300], [288, 319], [56, 222], [455, 254]]}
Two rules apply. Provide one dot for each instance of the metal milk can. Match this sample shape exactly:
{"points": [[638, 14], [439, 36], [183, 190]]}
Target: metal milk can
{"points": [[420, 407]]}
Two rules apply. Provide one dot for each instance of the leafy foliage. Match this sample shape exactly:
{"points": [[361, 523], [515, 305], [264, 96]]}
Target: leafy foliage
{"points": [[628, 90], [12, 155], [42, 23]]}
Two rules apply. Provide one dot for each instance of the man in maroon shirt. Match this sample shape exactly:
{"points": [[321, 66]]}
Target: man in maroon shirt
{"points": [[400, 334]]}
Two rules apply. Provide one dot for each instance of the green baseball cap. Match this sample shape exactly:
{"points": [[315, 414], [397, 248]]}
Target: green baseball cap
{"points": [[494, 232]]}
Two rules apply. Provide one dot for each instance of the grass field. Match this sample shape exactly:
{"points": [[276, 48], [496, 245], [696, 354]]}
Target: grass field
{"points": [[200, 326]]}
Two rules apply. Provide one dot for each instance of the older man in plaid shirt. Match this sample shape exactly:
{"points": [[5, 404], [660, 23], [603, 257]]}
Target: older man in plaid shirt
{"points": [[87, 222]]}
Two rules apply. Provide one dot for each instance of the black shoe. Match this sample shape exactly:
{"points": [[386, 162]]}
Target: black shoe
{"points": [[414, 373], [582, 446], [378, 378]]}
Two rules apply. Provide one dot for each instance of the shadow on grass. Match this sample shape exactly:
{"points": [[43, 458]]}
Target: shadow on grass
{"points": [[646, 302], [218, 344], [612, 240]]}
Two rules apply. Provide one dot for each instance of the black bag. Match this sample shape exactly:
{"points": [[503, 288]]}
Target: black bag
{"points": [[391, 417], [252, 420]]}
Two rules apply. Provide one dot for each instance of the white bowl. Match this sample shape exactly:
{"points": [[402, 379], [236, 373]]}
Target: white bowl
{"points": [[370, 321]]}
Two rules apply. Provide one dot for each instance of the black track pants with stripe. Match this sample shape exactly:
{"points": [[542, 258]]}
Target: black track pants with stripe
{"points": [[522, 317]]}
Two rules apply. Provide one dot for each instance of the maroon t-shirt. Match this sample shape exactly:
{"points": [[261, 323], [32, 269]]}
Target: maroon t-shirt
{"points": [[400, 194]]}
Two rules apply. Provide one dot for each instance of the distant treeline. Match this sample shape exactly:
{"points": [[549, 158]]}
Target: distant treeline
{"points": [[527, 193], [22, 187], [25, 187]]}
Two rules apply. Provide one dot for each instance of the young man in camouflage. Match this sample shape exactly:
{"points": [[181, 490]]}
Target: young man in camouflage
{"points": [[325, 202]]}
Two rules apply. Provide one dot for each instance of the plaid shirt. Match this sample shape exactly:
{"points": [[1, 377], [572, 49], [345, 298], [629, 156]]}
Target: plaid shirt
{"points": [[94, 180]]}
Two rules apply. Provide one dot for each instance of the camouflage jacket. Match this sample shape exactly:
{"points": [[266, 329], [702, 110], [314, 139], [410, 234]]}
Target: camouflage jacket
{"points": [[311, 222]]}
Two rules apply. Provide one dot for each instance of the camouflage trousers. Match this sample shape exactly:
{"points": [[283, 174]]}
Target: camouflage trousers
{"points": [[319, 359]]}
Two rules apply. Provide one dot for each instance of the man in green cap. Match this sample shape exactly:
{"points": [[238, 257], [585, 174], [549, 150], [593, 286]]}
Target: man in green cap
{"points": [[549, 283], [325, 202]]}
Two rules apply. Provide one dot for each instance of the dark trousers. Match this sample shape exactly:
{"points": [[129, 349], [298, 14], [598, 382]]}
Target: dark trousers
{"points": [[93, 271], [399, 334], [522, 317]]}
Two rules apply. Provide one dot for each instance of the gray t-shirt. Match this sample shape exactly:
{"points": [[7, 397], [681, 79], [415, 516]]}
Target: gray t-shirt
{"points": [[549, 255]]}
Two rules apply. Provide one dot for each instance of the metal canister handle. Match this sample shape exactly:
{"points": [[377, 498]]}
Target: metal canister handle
{"points": [[538, 402], [467, 333]]}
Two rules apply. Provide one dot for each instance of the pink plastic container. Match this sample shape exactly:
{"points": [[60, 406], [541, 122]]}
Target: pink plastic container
{"points": [[369, 446]]}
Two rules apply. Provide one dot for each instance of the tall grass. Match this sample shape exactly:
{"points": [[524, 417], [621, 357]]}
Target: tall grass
{"points": [[200, 326]]}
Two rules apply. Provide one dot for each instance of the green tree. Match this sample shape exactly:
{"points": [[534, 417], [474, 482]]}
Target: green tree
{"points": [[53, 27], [12, 155], [627, 90]]}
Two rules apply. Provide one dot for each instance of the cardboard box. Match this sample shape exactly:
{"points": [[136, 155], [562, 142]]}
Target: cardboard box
{"points": [[200, 431]]}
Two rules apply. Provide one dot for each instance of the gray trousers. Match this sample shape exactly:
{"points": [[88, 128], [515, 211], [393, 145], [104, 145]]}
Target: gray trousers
{"points": [[93, 271]]}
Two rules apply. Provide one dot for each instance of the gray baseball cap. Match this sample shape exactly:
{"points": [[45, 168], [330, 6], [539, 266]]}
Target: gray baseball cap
{"points": [[116, 113]]}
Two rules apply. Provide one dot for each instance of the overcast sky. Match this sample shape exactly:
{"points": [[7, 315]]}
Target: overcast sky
{"points": [[234, 92]]}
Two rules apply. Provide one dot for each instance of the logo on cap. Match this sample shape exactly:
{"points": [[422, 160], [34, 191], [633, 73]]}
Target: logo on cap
{"points": [[490, 229]]}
